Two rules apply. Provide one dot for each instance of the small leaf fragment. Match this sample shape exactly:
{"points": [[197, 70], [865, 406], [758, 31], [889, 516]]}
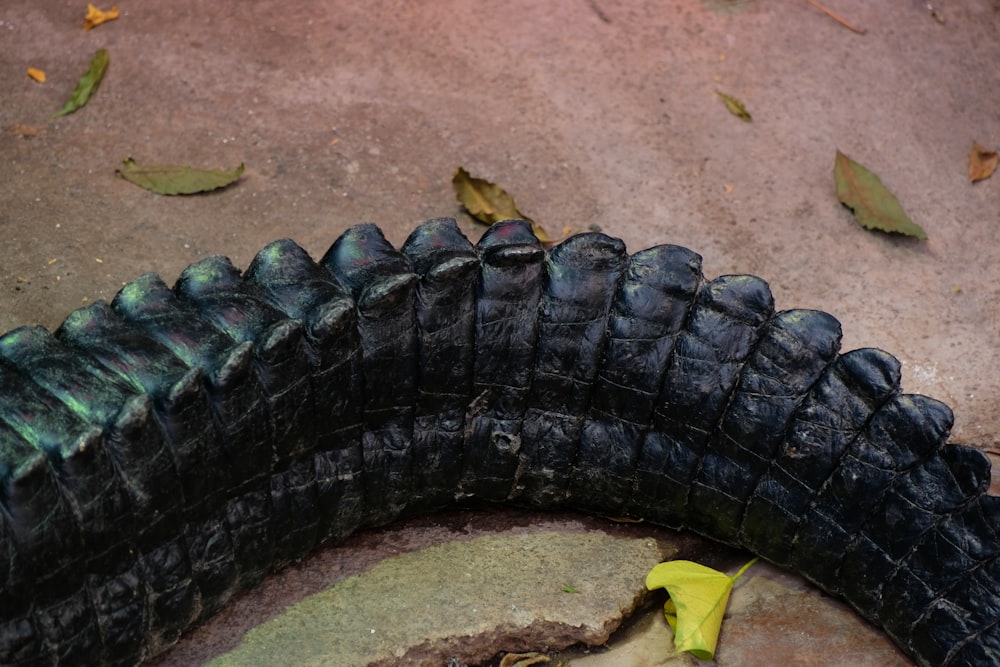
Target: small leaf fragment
{"points": [[36, 74], [25, 130], [96, 17], [698, 599], [176, 179], [489, 203], [735, 106], [874, 206], [523, 659], [88, 84], [619, 519], [982, 162]]}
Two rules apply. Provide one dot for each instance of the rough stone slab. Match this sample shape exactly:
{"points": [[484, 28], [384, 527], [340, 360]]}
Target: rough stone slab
{"points": [[459, 600], [771, 611]]}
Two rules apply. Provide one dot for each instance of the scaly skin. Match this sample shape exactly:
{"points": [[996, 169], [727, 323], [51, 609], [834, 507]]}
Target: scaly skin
{"points": [[160, 454]]}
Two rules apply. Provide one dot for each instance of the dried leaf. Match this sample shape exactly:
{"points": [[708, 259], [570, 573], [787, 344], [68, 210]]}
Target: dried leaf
{"points": [[489, 203], [88, 84], [873, 205], [523, 659], [698, 599], [177, 180], [982, 162], [96, 17], [25, 130], [735, 106], [36, 74], [485, 201]]}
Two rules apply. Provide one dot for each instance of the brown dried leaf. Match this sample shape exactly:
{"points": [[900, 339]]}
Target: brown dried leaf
{"points": [[489, 203], [486, 202], [24, 130], [982, 163]]}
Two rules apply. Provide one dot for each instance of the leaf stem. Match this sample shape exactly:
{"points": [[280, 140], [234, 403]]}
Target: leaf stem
{"points": [[836, 17], [745, 568]]}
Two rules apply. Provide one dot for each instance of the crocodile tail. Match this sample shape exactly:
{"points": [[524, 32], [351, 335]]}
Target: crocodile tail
{"points": [[164, 452]]}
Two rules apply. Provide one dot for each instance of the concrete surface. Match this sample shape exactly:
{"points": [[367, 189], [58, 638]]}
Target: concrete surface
{"points": [[591, 112]]}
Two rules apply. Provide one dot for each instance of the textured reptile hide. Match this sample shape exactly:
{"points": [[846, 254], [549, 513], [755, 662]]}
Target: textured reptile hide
{"points": [[160, 454]]}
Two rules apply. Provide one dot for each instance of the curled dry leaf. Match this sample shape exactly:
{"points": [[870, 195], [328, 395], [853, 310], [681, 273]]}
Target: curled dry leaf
{"points": [[176, 179], [88, 84], [488, 203], [874, 206], [982, 162], [96, 17], [485, 201], [523, 659]]}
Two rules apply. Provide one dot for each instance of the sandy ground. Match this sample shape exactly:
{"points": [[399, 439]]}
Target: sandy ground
{"points": [[592, 112]]}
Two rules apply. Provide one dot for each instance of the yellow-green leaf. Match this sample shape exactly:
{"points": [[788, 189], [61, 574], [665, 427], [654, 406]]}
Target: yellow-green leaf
{"points": [[176, 179], [489, 203], [874, 206], [698, 599], [88, 83], [735, 106]]}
